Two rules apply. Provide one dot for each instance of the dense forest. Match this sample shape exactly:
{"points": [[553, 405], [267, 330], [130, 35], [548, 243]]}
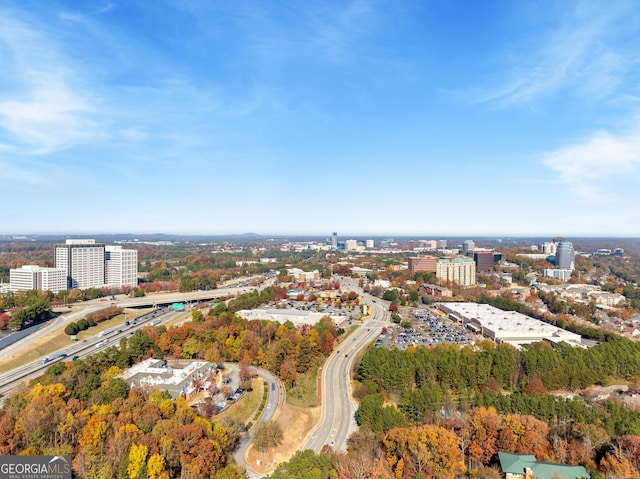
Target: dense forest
{"points": [[494, 397]]}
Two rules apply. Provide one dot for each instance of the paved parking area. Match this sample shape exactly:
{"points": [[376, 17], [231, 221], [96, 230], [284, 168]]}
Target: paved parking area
{"points": [[426, 327]]}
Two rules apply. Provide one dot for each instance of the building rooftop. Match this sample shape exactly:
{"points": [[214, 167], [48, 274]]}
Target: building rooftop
{"points": [[509, 326], [520, 463], [175, 377]]}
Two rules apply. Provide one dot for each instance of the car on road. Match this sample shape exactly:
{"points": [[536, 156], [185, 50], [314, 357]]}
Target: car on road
{"points": [[273, 386]]}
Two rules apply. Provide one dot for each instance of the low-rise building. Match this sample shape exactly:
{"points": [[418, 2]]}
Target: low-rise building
{"points": [[30, 277], [559, 274], [517, 466], [583, 293], [303, 276], [297, 317], [178, 378], [507, 326], [435, 290], [606, 299], [358, 271]]}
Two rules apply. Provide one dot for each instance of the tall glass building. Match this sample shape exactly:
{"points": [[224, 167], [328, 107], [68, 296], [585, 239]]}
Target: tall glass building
{"points": [[565, 256]]}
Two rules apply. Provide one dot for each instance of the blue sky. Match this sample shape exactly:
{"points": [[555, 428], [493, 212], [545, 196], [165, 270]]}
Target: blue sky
{"points": [[363, 117]]}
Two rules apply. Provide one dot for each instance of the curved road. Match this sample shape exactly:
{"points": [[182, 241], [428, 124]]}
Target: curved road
{"points": [[276, 396], [338, 408]]}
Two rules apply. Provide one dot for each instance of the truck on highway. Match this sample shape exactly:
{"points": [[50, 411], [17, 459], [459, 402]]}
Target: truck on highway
{"points": [[53, 357]]}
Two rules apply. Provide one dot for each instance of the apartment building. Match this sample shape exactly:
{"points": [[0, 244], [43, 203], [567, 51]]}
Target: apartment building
{"points": [[458, 270]]}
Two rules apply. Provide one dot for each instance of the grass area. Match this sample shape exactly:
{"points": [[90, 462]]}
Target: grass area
{"points": [[114, 322], [243, 410], [184, 317], [305, 393]]}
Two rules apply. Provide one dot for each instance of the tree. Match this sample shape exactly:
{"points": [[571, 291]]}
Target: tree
{"points": [[430, 451], [196, 316], [38, 310], [306, 464], [71, 329], [266, 436], [137, 468], [155, 467]]}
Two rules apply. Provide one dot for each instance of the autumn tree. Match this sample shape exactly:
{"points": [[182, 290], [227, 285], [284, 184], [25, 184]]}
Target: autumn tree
{"points": [[266, 435], [425, 451]]}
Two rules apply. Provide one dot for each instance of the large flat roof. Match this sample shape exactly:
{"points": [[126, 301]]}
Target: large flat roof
{"points": [[509, 326]]}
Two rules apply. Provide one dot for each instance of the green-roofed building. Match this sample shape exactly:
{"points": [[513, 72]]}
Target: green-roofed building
{"points": [[515, 466]]}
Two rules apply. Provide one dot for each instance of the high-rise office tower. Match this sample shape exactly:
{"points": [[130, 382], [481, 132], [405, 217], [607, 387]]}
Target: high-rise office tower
{"points": [[121, 266], [468, 245], [83, 261], [334, 240], [484, 260], [565, 255]]}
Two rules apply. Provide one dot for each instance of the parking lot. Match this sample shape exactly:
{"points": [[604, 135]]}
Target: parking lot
{"points": [[426, 327]]}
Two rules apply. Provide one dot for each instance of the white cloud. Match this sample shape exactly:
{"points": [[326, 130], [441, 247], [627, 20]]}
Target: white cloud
{"points": [[11, 172], [46, 107], [77, 16], [585, 166], [583, 52]]}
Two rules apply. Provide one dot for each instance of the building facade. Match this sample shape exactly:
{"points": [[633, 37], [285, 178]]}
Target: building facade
{"points": [[31, 277], [560, 274], [457, 270], [565, 256], [484, 260], [121, 266], [83, 260], [467, 246], [549, 248], [422, 263], [92, 265]]}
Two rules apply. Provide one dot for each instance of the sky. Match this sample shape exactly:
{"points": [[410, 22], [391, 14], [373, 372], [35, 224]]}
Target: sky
{"points": [[425, 117]]}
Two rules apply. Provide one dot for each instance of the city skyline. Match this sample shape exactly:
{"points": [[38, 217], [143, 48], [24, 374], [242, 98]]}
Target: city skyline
{"points": [[366, 117]]}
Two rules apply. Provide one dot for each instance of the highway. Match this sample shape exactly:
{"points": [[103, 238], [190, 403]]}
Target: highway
{"points": [[337, 420], [9, 381], [80, 310], [337, 407]]}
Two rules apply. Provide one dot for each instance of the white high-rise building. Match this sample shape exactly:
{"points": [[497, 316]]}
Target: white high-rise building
{"points": [[350, 245], [548, 247], [83, 260], [121, 266], [458, 270], [370, 244], [35, 277]]}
